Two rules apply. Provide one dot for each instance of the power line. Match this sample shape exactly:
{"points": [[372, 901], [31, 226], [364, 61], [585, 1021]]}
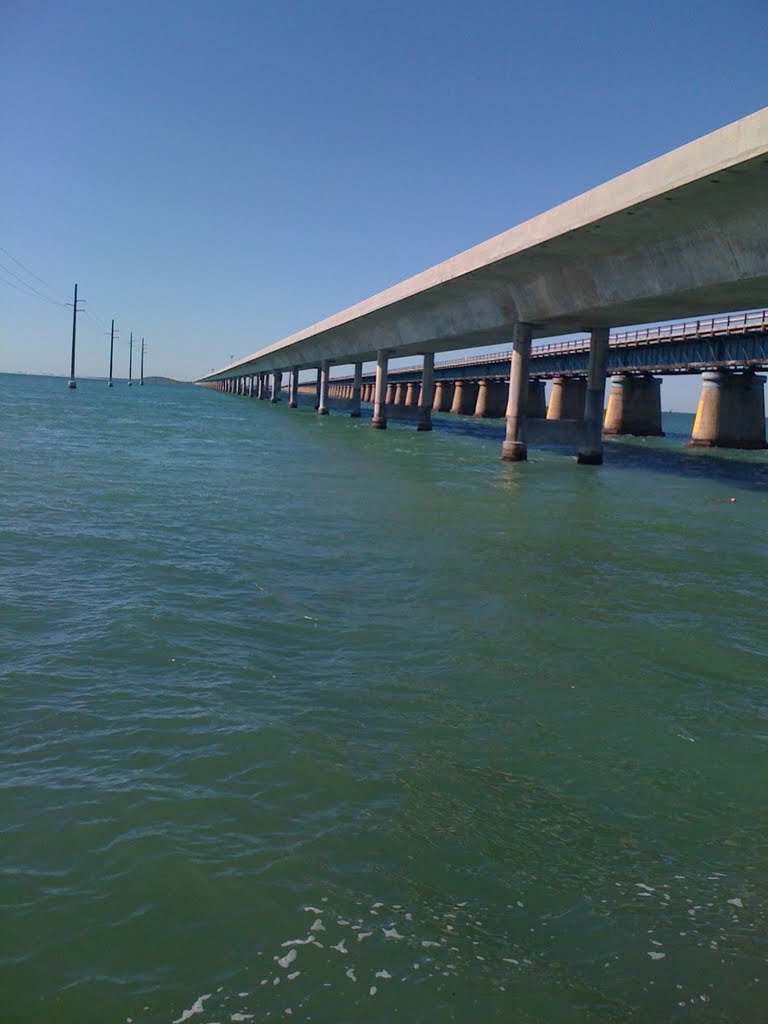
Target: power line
{"points": [[19, 263], [26, 288]]}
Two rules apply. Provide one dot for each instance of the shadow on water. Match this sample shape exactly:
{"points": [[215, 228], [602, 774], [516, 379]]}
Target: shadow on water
{"points": [[746, 470]]}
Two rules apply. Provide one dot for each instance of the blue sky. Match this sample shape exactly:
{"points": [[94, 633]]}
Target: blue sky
{"points": [[217, 176]]}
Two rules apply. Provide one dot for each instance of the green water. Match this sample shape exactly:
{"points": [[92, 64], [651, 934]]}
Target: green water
{"points": [[486, 741]]}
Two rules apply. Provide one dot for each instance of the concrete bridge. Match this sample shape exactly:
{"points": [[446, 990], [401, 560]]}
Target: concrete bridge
{"points": [[685, 233]]}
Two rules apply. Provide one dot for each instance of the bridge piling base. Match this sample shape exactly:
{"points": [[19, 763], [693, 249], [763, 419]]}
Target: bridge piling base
{"points": [[731, 411], [566, 401], [634, 406], [443, 396], [537, 399]]}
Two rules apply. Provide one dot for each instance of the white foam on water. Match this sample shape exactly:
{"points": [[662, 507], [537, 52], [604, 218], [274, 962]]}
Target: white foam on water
{"points": [[392, 933], [383, 974], [735, 902], [350, 973], [318, 926], [655, 955], [287, 960], [340, 947], [363, 935], [196, 1007], [241, 1016], [372, 990], [293, 976]]}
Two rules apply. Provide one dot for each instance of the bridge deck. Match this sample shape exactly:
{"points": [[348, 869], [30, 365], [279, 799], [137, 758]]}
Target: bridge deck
{"points": [[683, 234]]}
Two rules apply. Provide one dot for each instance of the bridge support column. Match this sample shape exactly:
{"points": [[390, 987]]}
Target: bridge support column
{"points": [[379, 421], [634, 406], [591, 451], [464, 397], [481, 405], [411, 394], [399, 396], [537, 399], [443, 396], [324, 380], [731, 411], [277, 386], [566, 402], [426, 395], [491, 399], [293, 389], [515, 448], [357, 389]]}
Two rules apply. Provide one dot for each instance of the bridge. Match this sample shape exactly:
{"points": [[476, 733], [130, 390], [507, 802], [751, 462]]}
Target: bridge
{"points": [[685, 233]]}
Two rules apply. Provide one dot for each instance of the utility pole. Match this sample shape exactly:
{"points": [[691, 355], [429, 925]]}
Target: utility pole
{"points": [[130, 362], [111, 352], [72, 383], [142, 363]]}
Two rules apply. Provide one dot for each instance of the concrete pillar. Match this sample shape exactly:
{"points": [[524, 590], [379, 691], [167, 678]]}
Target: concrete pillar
{"points": [[515, 447], [731, 411], [399, 396], [426, 392], [443, 396], [379, 421], [481, 405], [317, 388], [322, 405], [634, 406], [390, 396], [464, 397], [567, 398], [491, 399], [412, 394], [293, 389], [537, 399], [277, 386], [357, 391], [591, 451]]}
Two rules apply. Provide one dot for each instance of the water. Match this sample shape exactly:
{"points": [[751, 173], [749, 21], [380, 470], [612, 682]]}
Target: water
{"points": [[492, 737]]}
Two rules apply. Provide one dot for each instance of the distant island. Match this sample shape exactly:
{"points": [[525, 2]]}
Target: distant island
{"points": [[164, 380]]}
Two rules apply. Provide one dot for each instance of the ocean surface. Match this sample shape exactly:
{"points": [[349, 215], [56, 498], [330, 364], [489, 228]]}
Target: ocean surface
{"points": [[302, 721]]}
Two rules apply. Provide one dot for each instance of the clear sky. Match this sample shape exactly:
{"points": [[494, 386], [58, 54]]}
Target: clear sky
{"points": [[217, 176]]}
